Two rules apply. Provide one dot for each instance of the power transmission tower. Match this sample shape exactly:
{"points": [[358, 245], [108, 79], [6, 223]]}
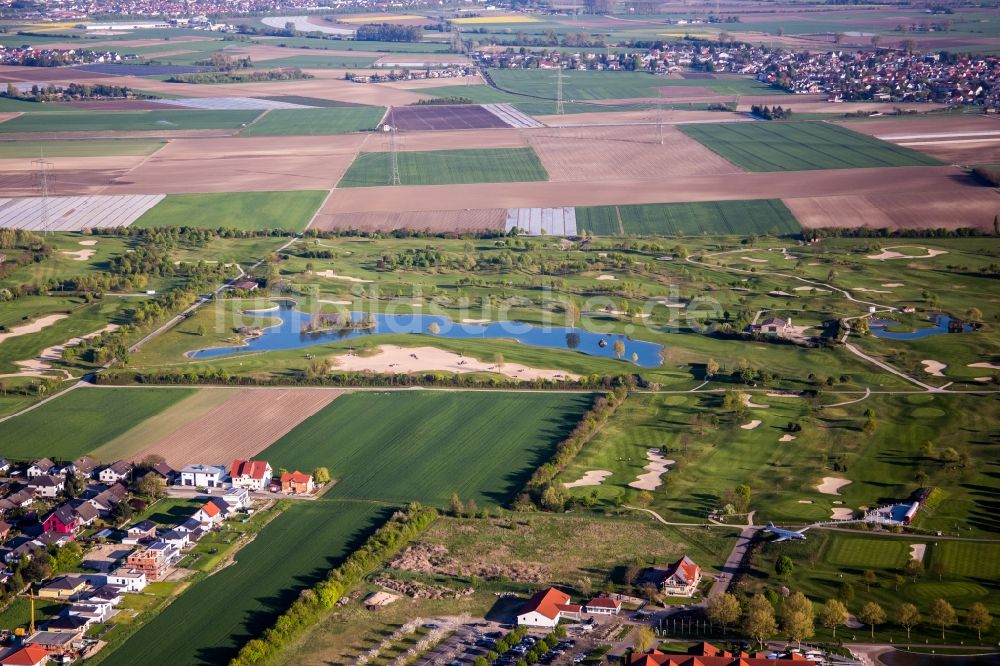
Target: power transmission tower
{"points": [[393, 157], [659, 116], [559, 91], [43, 187]]}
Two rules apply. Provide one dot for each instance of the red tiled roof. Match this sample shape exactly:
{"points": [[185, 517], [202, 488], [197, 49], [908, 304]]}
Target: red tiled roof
{"points": [[685, 569], [657, 658], [255, 469], [569, 608], [604, 602], [295, 477], [546, 602], [211, 509], [26, 656]]}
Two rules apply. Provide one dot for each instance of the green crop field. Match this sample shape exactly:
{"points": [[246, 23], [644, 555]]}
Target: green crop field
{"points": [[7, 105], [239, 210], [426, 446], [976, 560], [122, 121], [799, 146], [447, 167], [320, 61], [285, 122], [208, 623], [862, 553], [84, 148], [584, 85], [758, 216], [320, 44], [81, 420]]}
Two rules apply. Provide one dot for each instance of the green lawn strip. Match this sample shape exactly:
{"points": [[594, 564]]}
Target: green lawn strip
{"points": [[758, 216], [798, 146], [587, 85], [483, 446], [81, 420], [123, 121], [320, 61], [170, 511], [18, 613], [161, 425], [248, 211], [8, 105], [854, 552], [447, 167], [316, 122], [973, 560], [210, 621], [79, 148]]}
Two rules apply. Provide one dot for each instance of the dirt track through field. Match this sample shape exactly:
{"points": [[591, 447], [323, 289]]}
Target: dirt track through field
{"points": [[241, 427]]}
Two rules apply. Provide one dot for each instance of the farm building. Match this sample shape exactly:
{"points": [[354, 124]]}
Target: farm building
{"points": [[251, 474], [546, 608], [680, 579]]}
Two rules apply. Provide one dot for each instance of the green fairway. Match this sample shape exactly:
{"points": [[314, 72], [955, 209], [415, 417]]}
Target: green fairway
{"points": [[758, 216], [975, 560], [800, 146], [208, 623], [81, 420], [247, 211], [85, 148], [584, 85], [125, 121], [398, 447], [859, 552], [320, 61], [287, 122], [447, 167]]}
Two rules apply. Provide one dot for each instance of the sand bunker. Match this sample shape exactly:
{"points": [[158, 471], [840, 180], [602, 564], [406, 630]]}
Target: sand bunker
{"points": [[787, 438], [79, 255], [805, 501], [337, 302], [37, 367], [831, 485], [606, 277], [934, 367], [983, 364], [872, 291], [752, 425], [395, 359], [32, 327], [888, 253], [778, 293], [592, 478], [917, 551], [817, 289], [982, 380], [475, 321], [756, 261], [334, 276], [751, 404], [842, 514], [657, 466], [892, 285], [88, 242], [782, 394]]}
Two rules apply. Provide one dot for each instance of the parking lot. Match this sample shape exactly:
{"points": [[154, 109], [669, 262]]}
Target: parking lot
{"points": [[476, 639]]}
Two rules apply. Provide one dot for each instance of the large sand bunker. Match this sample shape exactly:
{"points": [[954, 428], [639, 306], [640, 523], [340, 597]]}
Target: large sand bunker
{"points": [[396, 359], [32, 327], [753, 425], [934, 367], [917, 551], [983, 364], [831, 485], [37, 367], [79, 255], [842, 514], [656, 468], [592, 478], [890, 253], [335, 276]]}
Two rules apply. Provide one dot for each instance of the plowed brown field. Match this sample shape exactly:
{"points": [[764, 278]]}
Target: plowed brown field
{"points": [[241, 427]]}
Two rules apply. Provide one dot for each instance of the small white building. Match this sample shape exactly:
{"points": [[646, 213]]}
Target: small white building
{"points": [[203, 476], [129, 580], [546, 608]]}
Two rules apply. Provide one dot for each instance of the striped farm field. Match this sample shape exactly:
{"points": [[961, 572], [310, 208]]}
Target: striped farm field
{"points": [[75, 213], [759, 216], [82, 420], [249, 211], [859, 552], [80, 148], [801, 146], [316, 122], [972, 559], [125, 121], [447, 167]]}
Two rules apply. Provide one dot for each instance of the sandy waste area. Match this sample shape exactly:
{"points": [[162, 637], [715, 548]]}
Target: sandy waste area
{"points": [[396, 359], [831, 485], [657, 467], [592, 478]]}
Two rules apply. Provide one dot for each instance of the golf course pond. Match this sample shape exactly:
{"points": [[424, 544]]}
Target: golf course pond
{"points": [[292, 333], [940, 324]]}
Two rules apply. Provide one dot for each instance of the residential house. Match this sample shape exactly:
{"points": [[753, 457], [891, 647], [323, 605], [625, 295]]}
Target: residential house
{"points": [[62, 521], [94, 610], [546, 608], [19, 548], [297, 482], [129, 580], [53, 539], [85, 512], [178, 539], [29, 655], [108, 498], [203, 476], [47, 485], [63, 587], [189, 525], [40, 467], [84, 467], [140, 532], [251, 474], [21, 499], [603, 605], [4, 530], [154, 559], [54, 642], [209, 514], [680, 579], [165, 472], [773, 326], [119, 471], [68, 622], [4, 465], [107, 593]]}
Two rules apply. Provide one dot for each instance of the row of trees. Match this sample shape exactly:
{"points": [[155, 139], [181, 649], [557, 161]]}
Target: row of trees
{"points": [[388, 32], [796, 617]]}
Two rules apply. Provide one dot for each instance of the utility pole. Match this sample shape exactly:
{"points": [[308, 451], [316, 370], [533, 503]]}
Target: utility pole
{"points": [[659, 116], [393, 157], [43, 186], [559, 91]]}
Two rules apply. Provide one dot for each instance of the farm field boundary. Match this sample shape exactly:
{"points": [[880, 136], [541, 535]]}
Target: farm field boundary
{"points": [[713, 217], [316, 122], [248, 211], [447, 167]]}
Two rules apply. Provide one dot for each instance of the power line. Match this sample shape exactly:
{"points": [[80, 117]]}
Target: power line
{"points": [[559, 90], [43, 186], [393, 157]]}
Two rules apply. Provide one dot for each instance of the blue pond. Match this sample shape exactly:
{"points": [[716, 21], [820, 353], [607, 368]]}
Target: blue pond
{"points": [[289, 334], [942, 324]]}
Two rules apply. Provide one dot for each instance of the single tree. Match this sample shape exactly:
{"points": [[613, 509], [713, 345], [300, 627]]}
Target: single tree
{"points": [[939, 569], [978, 618], [908, 617], [471, 509], [872, 615], [898, 580], [434, 328], [498, 361], [942, 614], [833, 614], [914, 569], [870, 579], [797, 618], [759, 622], [784, 566], [455, 506], [321, 475], [619, 347], [646, 639], [725, 610], [846, 592], [585, 586], [711, 368]]}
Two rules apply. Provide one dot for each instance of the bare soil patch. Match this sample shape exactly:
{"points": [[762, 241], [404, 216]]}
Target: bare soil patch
{"points": [[14, 74], [442, 117], [639, 117], [241, 427], [503, 137], [448, 220], [429, 558]]}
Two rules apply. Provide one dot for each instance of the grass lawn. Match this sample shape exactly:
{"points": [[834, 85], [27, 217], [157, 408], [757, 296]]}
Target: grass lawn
{"points": [[18, 613], [123, 121], [716, 217], [447, 167], [170, 511], [320, 61], [80, 421], [84, 148], [974, 560], [248, 211], [319, 122], [425, 446], [867, 553], [799, 146], [585, 85]]}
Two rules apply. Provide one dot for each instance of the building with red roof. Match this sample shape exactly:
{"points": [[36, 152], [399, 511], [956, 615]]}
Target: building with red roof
{"points": [[702, 654], [547, 607], [680, 579], [251, 474], [297, 482], [31, 655], [603, 605]]}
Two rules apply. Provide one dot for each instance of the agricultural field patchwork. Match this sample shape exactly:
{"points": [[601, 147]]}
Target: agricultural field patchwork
{"points": [[81, 148], [247, 211], [588, 85], [717, 217], [446, 167], [315, 122], [127, 121]]}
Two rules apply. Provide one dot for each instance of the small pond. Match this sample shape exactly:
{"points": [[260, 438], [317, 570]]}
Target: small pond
{"points": [[289, 334], [941, 324]]}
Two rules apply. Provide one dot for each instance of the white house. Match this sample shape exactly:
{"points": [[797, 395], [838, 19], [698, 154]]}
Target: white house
{"points": [[45, 485], [203, 476], [237, 498], [40, 467], [209, 514], [546, 608], [603, 605], [115, 472], [680, 579], [251, 474], [128, 580]]}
